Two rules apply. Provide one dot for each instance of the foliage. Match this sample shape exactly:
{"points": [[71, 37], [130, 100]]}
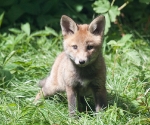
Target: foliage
{"points": [[43, 13], [109, 11], [19, 42], [27, 54]]}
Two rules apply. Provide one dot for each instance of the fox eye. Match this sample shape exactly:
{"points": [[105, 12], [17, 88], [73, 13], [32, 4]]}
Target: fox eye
{"points": [[74, 46], [89, 47]]}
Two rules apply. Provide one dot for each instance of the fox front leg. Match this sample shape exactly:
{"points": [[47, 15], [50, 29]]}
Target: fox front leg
{"points": [[80, 103], [71, 96], [100, 97]]}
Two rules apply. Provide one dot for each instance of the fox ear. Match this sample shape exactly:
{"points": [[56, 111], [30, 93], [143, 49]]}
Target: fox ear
{"points": [[68, 26], [97, 26]]}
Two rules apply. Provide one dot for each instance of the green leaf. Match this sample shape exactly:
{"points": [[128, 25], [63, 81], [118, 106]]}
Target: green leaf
{"points": [[112, 43], [1, 18], [7, 58], [116, 44], [26, 28], [134, 57], [40, 33], [14, 30], [107, 26], [51, 31], [113, 12], [48, 31], [126, 38], [101, 6]]}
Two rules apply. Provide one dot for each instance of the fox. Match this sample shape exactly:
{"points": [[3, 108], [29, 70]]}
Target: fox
{"points": [[80, 69]]}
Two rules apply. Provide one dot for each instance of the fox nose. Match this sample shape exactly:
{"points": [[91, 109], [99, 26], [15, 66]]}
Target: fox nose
{"points": [[81, 61]]}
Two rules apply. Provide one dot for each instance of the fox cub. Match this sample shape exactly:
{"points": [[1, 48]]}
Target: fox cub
{"points": [[80, 69]]}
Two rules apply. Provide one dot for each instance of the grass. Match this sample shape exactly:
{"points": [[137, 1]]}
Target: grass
{"points": [[27, 57]]}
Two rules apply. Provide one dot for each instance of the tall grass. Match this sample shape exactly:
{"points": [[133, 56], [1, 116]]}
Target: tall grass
{"points": [[27, 57]]}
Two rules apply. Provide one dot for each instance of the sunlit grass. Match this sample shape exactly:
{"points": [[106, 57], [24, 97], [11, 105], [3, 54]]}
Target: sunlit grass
{"points": [[127, 84]]}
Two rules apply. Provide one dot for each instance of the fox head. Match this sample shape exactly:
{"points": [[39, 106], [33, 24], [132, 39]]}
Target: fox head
{"points": [[82, 43]]}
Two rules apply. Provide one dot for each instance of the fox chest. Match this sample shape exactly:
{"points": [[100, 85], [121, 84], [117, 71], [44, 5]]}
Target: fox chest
{"points": [[79, 78], [81, 83], [83, 87], [75, 81]]}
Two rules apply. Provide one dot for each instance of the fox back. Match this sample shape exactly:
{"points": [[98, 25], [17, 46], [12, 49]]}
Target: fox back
{"points": [[80, 69]]}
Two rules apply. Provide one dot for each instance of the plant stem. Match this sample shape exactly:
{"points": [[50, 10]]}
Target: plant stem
{"points": [[112, 3], [126, 3]]}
